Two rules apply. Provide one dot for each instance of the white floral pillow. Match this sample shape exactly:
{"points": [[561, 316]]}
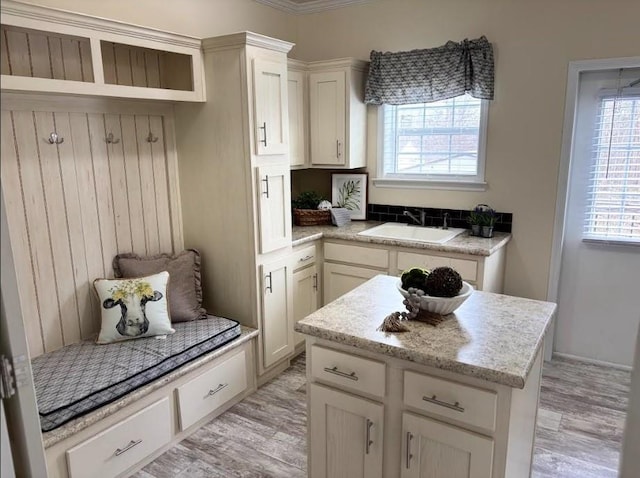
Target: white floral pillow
{"points": [[133, 308]]}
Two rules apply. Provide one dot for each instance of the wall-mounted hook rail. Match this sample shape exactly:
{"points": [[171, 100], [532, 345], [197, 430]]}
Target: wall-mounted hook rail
{"points": [[151, 138], [111, 140], [55, 139]]}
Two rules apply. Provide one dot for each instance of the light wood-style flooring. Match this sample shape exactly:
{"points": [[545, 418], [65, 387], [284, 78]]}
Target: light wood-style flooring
{"points": [[580, 427]]}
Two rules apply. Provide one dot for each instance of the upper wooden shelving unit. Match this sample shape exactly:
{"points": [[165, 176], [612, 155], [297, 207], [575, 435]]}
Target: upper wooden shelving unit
{"points": [[46, 50]]}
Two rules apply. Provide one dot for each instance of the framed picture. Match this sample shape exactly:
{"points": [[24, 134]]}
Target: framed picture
{"points": [[350, 192]]}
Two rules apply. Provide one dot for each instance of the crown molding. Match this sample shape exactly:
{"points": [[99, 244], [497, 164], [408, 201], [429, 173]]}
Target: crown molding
{"points": [[312, 6], [12, 8], [235, 40]]}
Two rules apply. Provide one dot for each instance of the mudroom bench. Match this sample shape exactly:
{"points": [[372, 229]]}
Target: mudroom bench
{"points": [[107, 410]]}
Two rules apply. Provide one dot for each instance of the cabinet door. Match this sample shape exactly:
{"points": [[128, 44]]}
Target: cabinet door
{"points": [[270, 100], [345, 435], [274, 206], [277, 307], [338, 279], [433, 449], [305, 295], [297, 133], [327, 108]]}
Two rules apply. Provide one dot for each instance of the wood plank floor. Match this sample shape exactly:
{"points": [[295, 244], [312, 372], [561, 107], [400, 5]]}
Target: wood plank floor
{"points": [[580, 426]]}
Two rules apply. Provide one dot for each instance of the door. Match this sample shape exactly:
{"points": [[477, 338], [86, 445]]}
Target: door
{"points": [[274, 206], [270, 91], [345, 435], [327, 108], [297, 133], [338, 279], [433, 449], [277, 310], [598, 300], [22, 423], [305, 295]]}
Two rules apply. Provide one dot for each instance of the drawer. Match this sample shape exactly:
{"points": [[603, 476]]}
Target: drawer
{"points": [[123, 445], [348, 371], [366, 256], [466, 268], [303, 257], [212, 389], [453, 400]]}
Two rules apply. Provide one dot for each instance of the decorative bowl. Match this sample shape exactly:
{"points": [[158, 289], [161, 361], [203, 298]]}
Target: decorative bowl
{"points": [[441, 305]]}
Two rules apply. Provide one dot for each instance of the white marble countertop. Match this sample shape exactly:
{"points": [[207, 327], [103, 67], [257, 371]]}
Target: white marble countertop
{"points": [[492, 337], [462, 244], [54, 436]]}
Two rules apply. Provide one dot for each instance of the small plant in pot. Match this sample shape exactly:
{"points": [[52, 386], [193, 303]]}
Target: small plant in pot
{"points": [[482, 219], [488, 221], [476, 220], [305, 210]]}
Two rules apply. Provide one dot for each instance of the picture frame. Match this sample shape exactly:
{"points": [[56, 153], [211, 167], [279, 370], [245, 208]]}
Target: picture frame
{"points": [[350, 192]]}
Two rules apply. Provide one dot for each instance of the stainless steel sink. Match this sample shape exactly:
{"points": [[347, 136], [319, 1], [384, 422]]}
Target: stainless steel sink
{"points": [[394, 230]]}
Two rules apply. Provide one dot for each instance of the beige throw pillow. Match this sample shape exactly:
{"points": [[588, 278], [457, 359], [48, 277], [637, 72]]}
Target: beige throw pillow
{"points": [[185, 287], [133, 308]]}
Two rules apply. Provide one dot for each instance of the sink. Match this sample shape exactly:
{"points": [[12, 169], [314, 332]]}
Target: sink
{"points": [[394, 230]]}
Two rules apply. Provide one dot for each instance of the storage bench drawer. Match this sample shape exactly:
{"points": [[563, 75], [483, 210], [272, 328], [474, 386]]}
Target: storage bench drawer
{"points": [[466, 268], [348, 371], [453, 400], [120, 447], [212, 389]]}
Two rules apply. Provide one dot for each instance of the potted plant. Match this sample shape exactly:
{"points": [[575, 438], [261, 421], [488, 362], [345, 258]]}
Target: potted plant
{"points": [[488, 221], [476, 220], [305, 210]]}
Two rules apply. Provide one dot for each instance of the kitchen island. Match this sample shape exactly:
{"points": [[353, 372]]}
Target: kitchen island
{"points": [[461, 396]]}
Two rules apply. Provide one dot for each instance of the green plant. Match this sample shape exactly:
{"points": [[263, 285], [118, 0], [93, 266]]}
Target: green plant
{"points": [[475, 217], [307, 200], [348, 195], [482, 215]]}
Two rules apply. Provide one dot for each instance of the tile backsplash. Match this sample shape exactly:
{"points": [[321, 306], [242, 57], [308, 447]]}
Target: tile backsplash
{"points": [[434, 217]]}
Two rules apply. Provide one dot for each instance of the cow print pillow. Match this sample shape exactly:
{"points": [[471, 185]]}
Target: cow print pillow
{"points": [[133, 308]]}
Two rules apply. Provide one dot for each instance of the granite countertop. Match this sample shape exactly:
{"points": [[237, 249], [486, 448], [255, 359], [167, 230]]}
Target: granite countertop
{"points": [[462, 244], [74, 426], [492, 337]]}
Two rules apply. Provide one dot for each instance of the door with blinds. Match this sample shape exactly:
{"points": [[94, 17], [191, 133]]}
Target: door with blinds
{"points": [[79, 188], [598, 302]]}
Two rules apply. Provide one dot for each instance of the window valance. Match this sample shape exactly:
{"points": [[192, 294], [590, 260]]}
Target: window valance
{"points": [[434, 74]]}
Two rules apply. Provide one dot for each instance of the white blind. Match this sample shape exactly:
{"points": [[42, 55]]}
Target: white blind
{"points": [[432, 139], [613, 202]]}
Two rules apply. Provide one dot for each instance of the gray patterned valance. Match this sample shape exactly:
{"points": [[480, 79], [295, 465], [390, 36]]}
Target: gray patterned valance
{"points": [[423, 76]]}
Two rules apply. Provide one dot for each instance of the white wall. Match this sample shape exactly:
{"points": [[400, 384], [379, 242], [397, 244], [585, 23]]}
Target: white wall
{"points": [[533, 44]]}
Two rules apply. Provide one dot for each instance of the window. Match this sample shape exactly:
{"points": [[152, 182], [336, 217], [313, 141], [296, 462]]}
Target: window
{"points": [[441, 141], [613, 203]]}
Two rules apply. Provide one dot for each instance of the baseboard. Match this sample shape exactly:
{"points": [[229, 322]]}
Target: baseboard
{"points": [[602, 363], [273, 372]]}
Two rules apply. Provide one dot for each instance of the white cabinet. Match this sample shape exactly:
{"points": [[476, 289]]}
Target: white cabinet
{"points": [[342, 278], [337, 114], [305, 295], [277, 311], [270, 91], [274, 200], [298, 114], [345, 435], [433, 449]]}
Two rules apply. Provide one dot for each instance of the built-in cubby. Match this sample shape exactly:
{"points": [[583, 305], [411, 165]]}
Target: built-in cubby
{"points": [[46, 50], [41, 54]]}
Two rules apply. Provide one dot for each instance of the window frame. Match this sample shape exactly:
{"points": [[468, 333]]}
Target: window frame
{"points": [[435, 181]]}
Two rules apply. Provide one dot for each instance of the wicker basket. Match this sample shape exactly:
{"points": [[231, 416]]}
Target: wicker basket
{"points": [[311, 217]]}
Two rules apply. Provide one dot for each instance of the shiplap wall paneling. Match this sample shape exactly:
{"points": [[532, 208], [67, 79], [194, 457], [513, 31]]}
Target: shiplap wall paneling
{"points": [[38, 54], [73, 206]]}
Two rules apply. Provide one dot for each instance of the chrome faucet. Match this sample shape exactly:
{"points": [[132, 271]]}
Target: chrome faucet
{"points": [[420, 221], [444, 223]]}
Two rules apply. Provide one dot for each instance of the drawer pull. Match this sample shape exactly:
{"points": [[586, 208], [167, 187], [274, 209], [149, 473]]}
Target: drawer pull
{"points": [[217, 389], [335, 371], [456, 406], [409, 455], [305, 258], [131, 444], [368, 440]]}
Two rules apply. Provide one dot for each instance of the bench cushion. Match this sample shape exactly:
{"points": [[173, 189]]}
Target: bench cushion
{"points": [[79, 378]]}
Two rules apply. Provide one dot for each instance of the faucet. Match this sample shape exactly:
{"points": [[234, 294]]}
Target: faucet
{"points": [[421, 221], [444, 223]]}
